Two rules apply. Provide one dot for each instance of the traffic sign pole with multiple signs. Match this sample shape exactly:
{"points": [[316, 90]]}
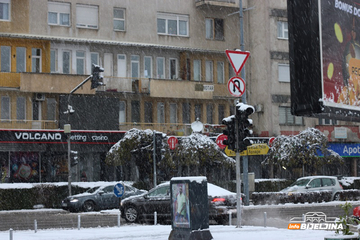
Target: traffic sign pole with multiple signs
{"points": [[236, 87]]}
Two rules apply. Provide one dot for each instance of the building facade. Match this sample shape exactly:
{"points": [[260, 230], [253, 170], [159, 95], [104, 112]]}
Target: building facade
{"points": [[164, 67]]}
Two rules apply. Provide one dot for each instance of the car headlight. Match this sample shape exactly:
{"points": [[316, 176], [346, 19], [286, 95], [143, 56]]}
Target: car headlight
{"points": [[74, 200]]}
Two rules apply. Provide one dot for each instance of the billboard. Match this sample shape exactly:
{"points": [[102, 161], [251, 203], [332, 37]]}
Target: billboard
{"points": [[324, 50]]}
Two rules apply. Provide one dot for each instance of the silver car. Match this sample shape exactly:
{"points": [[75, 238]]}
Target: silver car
{"points": [[316, 183]]}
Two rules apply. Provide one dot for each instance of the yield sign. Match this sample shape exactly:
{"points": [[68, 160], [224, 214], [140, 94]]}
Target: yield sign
{"points": [[237, 59]]}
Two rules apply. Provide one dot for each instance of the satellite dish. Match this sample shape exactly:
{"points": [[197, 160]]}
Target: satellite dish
{"points": [[197, 126]]}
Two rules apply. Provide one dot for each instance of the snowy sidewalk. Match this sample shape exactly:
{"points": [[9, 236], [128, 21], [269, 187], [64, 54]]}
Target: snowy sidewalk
{"points": [[161, 232]]}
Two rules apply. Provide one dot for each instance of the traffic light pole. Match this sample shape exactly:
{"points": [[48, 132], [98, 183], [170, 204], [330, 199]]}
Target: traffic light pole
{"points": [[238, 174]]}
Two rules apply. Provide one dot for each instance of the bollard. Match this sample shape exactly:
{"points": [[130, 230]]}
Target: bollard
{"points": [[119, 219], [229, 218], [11, 233], [155, 218], [265, 216], [79, 222], [35, 225]]}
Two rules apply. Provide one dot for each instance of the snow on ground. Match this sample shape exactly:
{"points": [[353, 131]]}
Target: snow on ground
{"points": [[142, 232]]}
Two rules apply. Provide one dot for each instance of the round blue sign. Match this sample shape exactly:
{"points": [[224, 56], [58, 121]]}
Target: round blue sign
{"points": [[119, 190]]}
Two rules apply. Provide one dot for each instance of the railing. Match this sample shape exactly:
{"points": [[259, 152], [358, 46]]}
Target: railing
{"points": [[175, 129], [122, 84]]}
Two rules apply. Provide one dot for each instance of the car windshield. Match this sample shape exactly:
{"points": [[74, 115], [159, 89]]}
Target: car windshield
{"points": [[92, 190], [301, 182]]}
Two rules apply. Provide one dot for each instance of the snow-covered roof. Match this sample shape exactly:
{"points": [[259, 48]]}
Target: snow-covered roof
{"points": [[105, 42]]}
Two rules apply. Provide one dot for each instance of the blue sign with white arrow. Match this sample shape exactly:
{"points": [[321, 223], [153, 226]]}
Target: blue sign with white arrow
{"points": [[119, 190]]}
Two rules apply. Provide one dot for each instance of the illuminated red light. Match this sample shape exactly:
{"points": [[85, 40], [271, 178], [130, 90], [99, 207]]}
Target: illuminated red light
{"points": [[218, 200]]}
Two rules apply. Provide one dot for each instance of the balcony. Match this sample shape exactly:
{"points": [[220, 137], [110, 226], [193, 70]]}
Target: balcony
{"points": [[166, 88], [219, 3], [53, 83]]}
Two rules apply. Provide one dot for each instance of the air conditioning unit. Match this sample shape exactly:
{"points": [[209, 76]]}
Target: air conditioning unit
{"points": [[40, 97]]}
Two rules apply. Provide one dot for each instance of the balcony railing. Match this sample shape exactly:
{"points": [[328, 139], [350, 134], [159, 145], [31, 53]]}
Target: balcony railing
{"points": [[220, 3], [166, 88]]}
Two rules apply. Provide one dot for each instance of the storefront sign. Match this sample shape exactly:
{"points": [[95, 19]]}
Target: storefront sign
{"points": [[42, 136]]}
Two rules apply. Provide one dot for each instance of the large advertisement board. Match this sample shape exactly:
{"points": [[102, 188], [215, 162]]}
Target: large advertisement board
{"points": [[324, 53], [340, 40]]}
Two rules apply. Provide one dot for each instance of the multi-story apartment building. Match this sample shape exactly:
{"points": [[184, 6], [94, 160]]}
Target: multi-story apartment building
{"points": [[164, 67]]}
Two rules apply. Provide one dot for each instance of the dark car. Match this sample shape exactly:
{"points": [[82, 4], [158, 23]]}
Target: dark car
{"points": [[142, 207], [98, 198]]}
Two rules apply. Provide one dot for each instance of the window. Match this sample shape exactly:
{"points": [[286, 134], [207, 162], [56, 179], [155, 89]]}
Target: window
{"points": [[173, 113], [209, 71], [214, 28], [94, 56], [197, 70], [135, 66], [282, 28], [186, 112], [59, 13], [286, 118], [119, 19], [221, 108], [122, 112], [80, 62], [147, 67], [284, 72], [209, 113], [20, 108], [53, 60], [5, 59], [20, 59], [198, 110], [5, 108], [135, 111], [5, 10], [161, 112], [51, 109], [66, 62], [327, 121], [220, 72], [160, 62], [148, 112], [173, 68], [36, 60], [121, 65], [172, 24], [82, 16]]}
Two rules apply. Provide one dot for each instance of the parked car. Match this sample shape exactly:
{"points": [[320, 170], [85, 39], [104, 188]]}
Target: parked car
{"points": [[142, 207], [98, 198], [316, 183]]}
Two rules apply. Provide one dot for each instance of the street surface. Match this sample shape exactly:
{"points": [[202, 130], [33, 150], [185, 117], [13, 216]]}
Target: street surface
{"points": [[276, 216]]}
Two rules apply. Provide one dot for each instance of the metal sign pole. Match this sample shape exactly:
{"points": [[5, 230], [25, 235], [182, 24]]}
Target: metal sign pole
{"points": [[238, 175]]}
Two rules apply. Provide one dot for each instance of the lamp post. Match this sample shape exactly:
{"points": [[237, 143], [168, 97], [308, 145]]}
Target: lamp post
{"points": [[67, 131]]}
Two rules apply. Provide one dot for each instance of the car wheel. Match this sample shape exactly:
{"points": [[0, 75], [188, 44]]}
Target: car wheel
{"points": [[131, 214], [221, 220], [337, 197], [89, 206]]}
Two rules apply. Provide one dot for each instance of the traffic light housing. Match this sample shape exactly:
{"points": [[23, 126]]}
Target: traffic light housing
{"points": [[244, 123], [229, 132], [158, 145], [96, 79]]}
